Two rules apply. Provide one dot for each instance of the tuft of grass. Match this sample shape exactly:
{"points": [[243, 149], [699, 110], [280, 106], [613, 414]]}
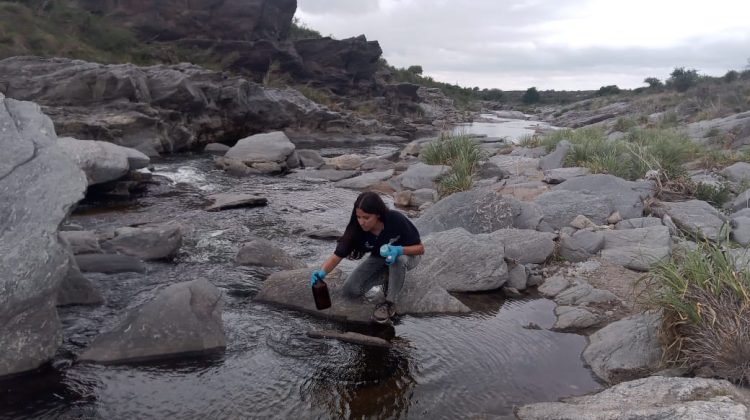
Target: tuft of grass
{"points": [[459, 152], [529, 140], [705, 300], [629, 158]]}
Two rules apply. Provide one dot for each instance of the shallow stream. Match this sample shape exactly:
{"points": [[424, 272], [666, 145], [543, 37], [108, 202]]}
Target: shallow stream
{"points": [[439, 367]]}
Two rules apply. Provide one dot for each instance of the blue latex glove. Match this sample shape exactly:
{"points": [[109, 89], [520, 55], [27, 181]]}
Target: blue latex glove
{"points": [[317, 276], [391, 253]]}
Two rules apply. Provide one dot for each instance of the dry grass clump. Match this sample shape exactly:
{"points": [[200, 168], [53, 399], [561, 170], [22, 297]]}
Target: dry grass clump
{"points": [[706, 306]]}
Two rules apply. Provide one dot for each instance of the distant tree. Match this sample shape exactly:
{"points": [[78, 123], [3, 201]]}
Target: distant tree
{"points": [[653, 82], [415, 70], [681, 79], [608, 90], [492, 95], [531, 96], [731, 76]]}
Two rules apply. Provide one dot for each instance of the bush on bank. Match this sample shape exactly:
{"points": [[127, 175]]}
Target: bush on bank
{"points": [[705, 301]]}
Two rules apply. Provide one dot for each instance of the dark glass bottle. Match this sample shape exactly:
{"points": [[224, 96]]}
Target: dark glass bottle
{"points": [[321, 296]]}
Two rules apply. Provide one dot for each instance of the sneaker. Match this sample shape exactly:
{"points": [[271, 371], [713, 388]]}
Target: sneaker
{"points": [[383, 312]]}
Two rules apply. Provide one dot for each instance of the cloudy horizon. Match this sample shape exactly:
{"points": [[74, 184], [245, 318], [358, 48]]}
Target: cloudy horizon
{"points": [[561, 45]]}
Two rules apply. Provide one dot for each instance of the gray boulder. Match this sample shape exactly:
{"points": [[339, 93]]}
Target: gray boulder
{"points": [[478, 211], [525, 246], [109, 263], [263, 252], [75, 289], [82, 241], [553, 286], [261, 149], [556, 159], [741, 230], [626, 349], [581, 246], [581, 293], [184, 318], [225, 201], [561, 207], [218, 149], [422, 175], [652, 398], [574, 318], [154, 242], [517, 166], [737, 172], [310, 159], [698, 218], [626, 196], [102, 161], [375, 163], [742, 201], [560, 175], [638, 222], [292, 289], [462, 262], [637, 249], [365, 181], [39, 185]]}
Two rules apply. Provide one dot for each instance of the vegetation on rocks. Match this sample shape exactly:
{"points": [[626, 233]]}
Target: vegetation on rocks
{"points": [[706, 306], [459, 152]]}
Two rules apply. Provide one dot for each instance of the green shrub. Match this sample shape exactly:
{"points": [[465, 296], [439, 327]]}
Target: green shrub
{"points": [[681, 79], [531, 96], [714, 195], [608, 90], [630, 158], [459, 152], [706, 307]]}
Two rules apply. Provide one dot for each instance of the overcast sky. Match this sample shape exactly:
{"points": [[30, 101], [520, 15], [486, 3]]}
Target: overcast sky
{"points": [[550, 44]]}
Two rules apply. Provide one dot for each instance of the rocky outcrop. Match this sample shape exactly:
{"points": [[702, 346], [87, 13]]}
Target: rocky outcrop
{"points": [[183, 318], [155, 109], [38, 187], [226, 19], [652, 398]]}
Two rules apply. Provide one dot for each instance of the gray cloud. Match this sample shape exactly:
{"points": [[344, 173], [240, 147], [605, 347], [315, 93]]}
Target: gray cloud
{"points": [[338, 7], [513, 44]]}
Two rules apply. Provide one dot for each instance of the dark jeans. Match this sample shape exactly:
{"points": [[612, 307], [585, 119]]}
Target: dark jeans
{"points": [[370, 271]]}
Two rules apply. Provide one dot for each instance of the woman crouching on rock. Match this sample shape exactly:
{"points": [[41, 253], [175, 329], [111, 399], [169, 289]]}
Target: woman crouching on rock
{"points": [[394, 246]]}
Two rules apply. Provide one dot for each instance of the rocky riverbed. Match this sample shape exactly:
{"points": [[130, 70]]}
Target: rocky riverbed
{"points": [[181, 319]]}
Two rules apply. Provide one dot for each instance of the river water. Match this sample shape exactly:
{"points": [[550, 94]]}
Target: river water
{"points": [[482, 364]]}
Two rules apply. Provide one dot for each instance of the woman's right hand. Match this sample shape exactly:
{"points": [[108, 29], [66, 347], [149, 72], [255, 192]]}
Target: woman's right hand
{"points": [[316, 276]]}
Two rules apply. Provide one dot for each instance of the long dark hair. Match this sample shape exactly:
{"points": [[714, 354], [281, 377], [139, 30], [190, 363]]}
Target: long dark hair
{"points": [[368, 202]]}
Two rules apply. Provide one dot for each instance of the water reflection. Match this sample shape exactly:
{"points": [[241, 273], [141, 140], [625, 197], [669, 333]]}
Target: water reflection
{"points": [[511, 129], [373, 383]]}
